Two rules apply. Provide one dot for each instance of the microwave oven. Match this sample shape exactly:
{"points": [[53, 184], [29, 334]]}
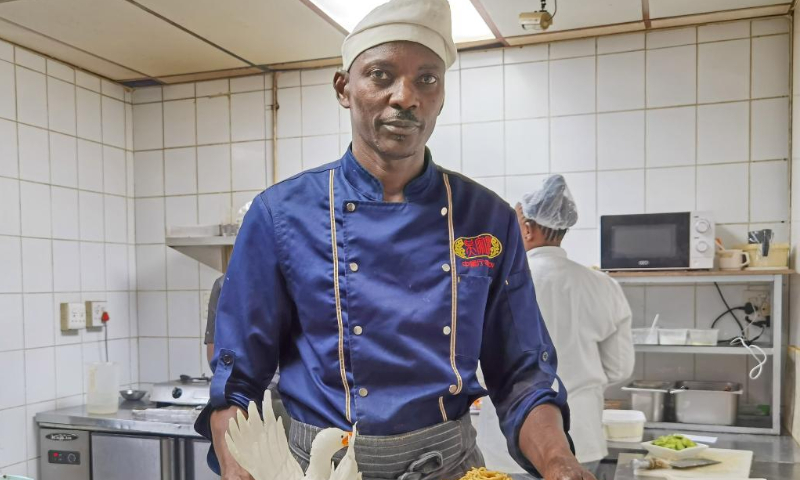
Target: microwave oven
{"points": [[657, 241]]}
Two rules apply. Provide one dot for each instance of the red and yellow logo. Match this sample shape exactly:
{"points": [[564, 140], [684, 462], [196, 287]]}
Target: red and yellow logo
{"points": [[482, 246]]}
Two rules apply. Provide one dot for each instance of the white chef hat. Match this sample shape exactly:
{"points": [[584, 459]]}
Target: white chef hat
{"points": [[552, 206], [426, 22]]}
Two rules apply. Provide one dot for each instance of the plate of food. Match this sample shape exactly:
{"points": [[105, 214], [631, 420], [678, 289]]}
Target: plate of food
{"points": [[673, 447]]}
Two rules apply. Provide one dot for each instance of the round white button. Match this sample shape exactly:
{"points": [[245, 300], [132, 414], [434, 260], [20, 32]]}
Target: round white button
{"points": [[446, 267], [702, 247], [446, 330], [444, 211], [702, 226], [453, 389], [363, 392], [358, 330], [354, 267], [351, 207]]}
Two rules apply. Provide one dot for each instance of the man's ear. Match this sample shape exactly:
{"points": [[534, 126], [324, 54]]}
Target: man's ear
{"points": [[341, 80]]}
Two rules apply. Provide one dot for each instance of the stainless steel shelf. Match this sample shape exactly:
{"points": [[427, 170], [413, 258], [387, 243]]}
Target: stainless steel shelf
{"points": [[218, 241], [685, 277], [700, 350], [753, 425], [212, 251]]}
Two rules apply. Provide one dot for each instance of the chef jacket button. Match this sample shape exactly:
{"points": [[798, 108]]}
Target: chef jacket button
{"points": [[227, 358], [444, 211], [545, 356], [353, 267], [363, 392], [358, 330], [446, 330], [446, 267], [453, 389], [351, 207]]}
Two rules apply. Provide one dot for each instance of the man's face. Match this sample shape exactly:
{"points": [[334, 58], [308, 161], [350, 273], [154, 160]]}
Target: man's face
{"points": [[394, 92]]}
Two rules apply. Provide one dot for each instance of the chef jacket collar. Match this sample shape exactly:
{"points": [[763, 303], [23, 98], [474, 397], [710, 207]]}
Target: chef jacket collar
{"points": [[543, 251], [416, 190]]}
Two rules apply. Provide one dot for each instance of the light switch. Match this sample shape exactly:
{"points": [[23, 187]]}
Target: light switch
{"points": [[73, 316], [94, 314]]}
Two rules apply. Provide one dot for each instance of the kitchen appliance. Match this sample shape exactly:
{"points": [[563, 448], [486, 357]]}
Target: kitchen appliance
{"points": [[189, 391], [651, 398], [657, 241], [709, 403]]}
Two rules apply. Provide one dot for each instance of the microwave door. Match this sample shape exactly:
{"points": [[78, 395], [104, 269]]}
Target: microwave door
{"points": [[650, 241]]}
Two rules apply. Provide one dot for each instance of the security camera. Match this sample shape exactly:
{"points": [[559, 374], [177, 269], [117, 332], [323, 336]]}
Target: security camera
{"points": [[535, 20]]}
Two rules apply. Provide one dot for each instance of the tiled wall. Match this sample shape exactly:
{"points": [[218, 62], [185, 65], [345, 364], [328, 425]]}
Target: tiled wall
{"points": [[794, 297], [66, 235]]}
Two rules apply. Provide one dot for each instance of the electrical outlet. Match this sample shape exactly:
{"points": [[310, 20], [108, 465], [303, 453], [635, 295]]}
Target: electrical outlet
{"points": [[73, 316], [94, 314], [760, 299]]}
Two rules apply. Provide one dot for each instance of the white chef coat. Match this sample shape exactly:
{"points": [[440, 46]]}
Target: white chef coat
{"points": [[589, 320]]}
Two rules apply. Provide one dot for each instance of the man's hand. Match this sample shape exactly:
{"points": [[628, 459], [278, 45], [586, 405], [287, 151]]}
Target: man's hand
{"points": [[231, 470], [543, 441]]}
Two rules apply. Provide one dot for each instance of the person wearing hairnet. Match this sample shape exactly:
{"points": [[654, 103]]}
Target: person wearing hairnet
{"points": [[587, 316]]}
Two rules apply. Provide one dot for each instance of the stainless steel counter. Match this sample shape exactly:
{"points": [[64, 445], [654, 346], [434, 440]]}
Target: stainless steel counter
{"points": [[121, 422]]}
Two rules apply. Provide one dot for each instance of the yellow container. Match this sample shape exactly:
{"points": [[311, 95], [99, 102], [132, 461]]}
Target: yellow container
{"points": [[778, 256]]}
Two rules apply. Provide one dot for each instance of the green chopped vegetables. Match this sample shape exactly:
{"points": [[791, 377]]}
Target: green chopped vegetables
{"points": [[674, 442]]}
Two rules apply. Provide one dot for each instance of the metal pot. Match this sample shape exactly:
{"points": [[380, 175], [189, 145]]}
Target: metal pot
{"points": [[709, 403], [650, 398]]}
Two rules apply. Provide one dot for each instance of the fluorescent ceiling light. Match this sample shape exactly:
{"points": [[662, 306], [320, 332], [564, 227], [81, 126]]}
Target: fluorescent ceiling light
{"points": [[468, 26]]}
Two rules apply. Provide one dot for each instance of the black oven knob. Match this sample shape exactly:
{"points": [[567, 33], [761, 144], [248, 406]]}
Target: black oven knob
{"points": [[702, 226], [702, 247], [177, 392], [71, 458]]}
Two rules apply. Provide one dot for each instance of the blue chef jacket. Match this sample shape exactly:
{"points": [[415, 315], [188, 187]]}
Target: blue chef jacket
{"points": [[381, 316]]}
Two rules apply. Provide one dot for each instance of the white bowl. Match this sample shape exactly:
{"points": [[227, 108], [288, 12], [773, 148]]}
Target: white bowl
{"points": [[670, 454]]}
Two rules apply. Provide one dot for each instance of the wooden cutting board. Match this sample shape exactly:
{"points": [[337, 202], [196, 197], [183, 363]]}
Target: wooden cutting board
{"points": [[733, 464]]}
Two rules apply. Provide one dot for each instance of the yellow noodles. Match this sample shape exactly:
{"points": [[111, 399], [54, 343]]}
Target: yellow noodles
{"points": [[483, 474]]}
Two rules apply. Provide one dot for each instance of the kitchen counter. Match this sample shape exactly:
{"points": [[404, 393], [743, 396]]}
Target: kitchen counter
{"points": [[77, 418], [774, 457]]}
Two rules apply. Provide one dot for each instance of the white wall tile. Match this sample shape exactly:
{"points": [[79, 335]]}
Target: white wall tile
{"points": [[60, 71], [150, 220], [583, 246], [528, 53], [495, 184], [11, 320], [40, 323], [8, 91], [248, 116], [29, 59], [620, 140], [182, 271], [212, 87], [148, 126], [572, 48], [183, 313], [479, 104], [150, 267], [85, 80], [34, 157], [620, 81], [518, 186], [670, 303], [445, 146], [213, 120], [320, 150], [10, 265], [583, 186], [9, 162], [113, 122], [179, 91], [90, 166], [670, 189], [119, 310], [61, 106], [572, 86], [40, 375], [620, 192], [671, 76], [214, 168], [482, 149], [147, 95], [451, 113], [770, 26], [91, 216], [671, 136], [35, 212], [69, 370], [722, 133], [180, 171], [12, 444], [722, 190], [31, 97], [527, 146], [248, 165], [526, 90], [288, 79], [65, 213], [215, 208], [63, 160], [771, 66], [769, 191], [723, 31], [13, 392], [10, 213], [93, 270], [770, 129], [152, 314], [6, 51], [66, 267], [153, 360], [572, 144], [671, 38], [114, 180], [290, 158], [179, 123], [116, 263], [184, 356], [625, 42], [181, 211], [724, 71], [289, 114], [89, 115], [148, 173], [320, 111], [483, 58], [247, 84], [317, 76]]}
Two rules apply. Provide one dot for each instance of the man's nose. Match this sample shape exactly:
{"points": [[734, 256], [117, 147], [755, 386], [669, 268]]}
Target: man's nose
{"points": [[404, 95]]}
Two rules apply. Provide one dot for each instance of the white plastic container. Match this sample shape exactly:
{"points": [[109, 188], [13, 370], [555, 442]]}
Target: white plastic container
{"points": [[644, 336], [669, 454], [623, 425], [672, 336], [707, 337], [103, 394]]}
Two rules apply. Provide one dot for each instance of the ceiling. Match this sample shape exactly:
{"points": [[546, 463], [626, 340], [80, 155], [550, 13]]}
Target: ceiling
{"points": [[170, 41]]}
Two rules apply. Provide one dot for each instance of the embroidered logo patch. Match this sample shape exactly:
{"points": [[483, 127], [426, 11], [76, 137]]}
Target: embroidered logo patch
{"points": [[482, 246]]}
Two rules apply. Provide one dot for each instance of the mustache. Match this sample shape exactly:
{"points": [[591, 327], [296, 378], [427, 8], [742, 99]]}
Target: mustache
{"points": [[402, 116]]}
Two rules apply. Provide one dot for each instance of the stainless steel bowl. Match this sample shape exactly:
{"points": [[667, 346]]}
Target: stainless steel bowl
{"points": [[651, 398], [133, 395]]}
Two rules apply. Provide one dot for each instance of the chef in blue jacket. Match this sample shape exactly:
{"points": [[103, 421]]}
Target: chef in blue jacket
{"points": [[378, 281]]}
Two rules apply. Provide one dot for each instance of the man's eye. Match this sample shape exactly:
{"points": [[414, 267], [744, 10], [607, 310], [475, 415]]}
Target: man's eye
{"points": [[379, 75], [428, 79]]}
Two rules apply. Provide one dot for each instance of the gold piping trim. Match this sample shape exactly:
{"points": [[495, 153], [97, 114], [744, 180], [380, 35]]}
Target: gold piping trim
{"points": [[338, 297], [441, 408], [453, 285]]}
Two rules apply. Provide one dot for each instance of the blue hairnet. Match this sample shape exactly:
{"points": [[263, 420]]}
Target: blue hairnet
{"points": [[551, 206]]}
